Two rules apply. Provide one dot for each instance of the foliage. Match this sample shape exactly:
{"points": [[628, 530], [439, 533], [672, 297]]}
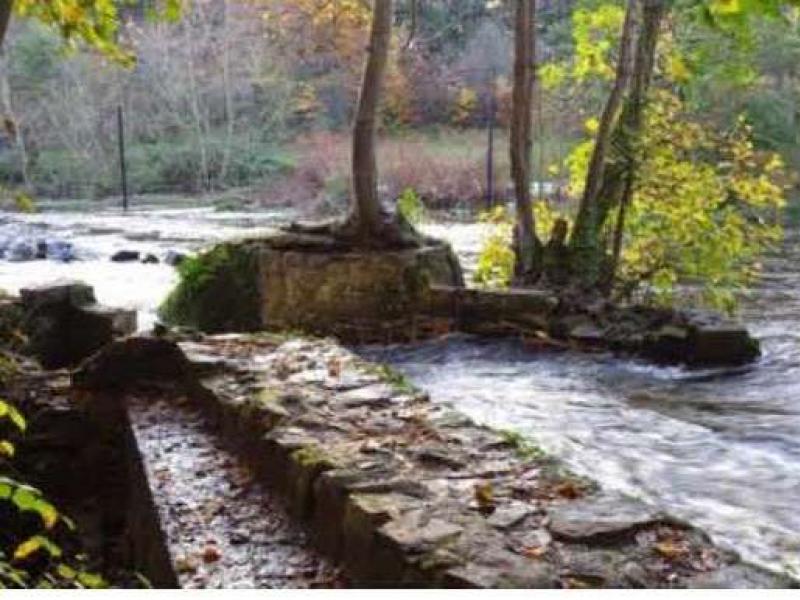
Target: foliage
{"points": [[410, 205], [31, 554], [704, 208], [524, 448], [496, 258], [594, 31], [392, 376], [94, 22], [17, 200], [464, 107]]}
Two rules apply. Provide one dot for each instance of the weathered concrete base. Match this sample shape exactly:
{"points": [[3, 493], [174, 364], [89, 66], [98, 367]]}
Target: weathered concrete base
{"points": [[312, 283], [405, 493]]}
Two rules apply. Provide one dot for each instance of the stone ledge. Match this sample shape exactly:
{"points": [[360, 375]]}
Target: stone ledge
{"points": [[406, 493]]}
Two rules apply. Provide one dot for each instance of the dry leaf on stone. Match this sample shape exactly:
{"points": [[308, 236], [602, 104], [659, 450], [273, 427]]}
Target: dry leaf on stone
{"points": [[211, 553], [671, 549]]}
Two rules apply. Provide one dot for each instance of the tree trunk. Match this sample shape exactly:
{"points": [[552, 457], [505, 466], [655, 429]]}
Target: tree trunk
{"points": [[527, 247], [586, 248], [620, 185], [366, 211], [5, 17]]}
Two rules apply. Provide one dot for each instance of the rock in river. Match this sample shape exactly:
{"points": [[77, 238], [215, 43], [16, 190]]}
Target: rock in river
{"points": [[125, 256]]}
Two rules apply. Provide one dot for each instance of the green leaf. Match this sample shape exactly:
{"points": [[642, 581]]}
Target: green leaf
{"points": [[90, 580], [7, 487], [35, 544], [6, 449], [66, 571], [12, 414], [29, 499]]}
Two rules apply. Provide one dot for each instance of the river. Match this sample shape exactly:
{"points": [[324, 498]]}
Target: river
{"points": [[720, 449]]}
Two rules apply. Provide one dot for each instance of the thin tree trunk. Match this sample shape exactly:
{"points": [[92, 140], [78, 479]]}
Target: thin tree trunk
{"points": [[366, 210], [6, 7], [204, 175], [619, 185], [527, 247], [226, 83], [5, 17], [12, 126], [585, 246]]}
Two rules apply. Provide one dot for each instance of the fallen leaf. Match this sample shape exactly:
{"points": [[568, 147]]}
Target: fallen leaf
{"points": [[211, 553], [484, 495], [569, 490], [671, 549], [534, 551]]}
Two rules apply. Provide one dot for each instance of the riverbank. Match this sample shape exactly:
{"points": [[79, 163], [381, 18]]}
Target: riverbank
{"points": [[719, 447], [397, 489]]}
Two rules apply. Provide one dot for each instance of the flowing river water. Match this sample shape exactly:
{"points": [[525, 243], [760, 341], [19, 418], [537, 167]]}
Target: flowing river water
{"points": [[718, 448]]}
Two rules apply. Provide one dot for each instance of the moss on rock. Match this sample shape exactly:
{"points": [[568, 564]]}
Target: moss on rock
{"points": [[218, 290]]}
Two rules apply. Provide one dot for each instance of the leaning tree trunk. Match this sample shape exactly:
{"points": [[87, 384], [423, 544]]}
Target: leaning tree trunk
{"points": [[366, 211], [586, 247], [618, 186], [527, 247]]}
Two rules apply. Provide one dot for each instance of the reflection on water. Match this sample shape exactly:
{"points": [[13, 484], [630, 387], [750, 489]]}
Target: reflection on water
{"points": [[721, 448]]}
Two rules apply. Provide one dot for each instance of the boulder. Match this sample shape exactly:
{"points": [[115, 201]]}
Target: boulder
{"points": [[134, 361], [150, 259], [125, 256], [64, 324], [723, 344], [174, 258], [21, 251]]}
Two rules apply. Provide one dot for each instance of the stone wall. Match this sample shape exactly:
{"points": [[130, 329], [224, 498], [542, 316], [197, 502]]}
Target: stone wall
{"points": [[313, 284], [406, 493]]}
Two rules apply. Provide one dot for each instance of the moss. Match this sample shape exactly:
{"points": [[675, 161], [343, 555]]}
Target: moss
{"points": [[523, 447], [218, 291], [313, 456], [393, 377]]}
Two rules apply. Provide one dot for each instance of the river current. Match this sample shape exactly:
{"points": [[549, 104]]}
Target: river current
{"points": [[719, 448]]}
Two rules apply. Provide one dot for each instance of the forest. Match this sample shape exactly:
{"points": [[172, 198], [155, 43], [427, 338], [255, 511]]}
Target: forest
{"points": [[399, 293]]}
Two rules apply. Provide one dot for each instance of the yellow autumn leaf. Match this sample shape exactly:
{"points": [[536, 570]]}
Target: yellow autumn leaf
{"points": [[7, 449]]}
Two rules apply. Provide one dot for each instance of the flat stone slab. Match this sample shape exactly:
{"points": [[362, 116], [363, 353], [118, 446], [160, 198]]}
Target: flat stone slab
{"points": [[603, 518]]}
